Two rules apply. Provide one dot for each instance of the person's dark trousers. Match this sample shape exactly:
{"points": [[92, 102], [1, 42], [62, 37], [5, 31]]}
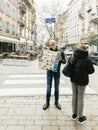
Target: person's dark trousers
{"points": [[50, 76]]}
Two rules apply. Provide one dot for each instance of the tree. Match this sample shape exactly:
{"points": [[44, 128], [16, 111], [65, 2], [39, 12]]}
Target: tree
{"points": [[93, 40], [47, 43], [49, 9]]}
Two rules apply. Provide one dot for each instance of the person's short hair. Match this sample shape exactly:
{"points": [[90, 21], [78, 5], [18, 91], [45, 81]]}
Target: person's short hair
{"points": [[52, 41], [82, 46]]}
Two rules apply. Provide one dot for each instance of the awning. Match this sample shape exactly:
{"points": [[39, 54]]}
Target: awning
{"points": [[29, 42], [9, 40], [32, 52]]}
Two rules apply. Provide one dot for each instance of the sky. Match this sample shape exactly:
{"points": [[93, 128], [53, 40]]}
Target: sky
{"points": [[41, 2], [47, 1], [60, 4]]}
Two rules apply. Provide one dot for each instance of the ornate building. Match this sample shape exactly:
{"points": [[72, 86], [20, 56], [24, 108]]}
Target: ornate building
{"points": [[17, 25]]}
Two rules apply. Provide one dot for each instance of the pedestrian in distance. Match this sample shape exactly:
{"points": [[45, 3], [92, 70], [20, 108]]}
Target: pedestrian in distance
{"points": [[82, 67], [51, 74]]}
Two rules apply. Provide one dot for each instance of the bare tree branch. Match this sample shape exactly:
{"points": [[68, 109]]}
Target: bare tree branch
{"points": [[50, 9]]}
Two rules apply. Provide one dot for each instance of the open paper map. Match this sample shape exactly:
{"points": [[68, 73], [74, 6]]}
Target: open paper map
{"points": [[48, 59]]}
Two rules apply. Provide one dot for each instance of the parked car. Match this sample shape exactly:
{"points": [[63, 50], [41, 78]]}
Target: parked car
{"points": [[94, 58], [68, 53]]}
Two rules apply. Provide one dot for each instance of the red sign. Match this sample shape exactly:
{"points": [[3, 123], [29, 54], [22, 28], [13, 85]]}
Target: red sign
{"points": [[26, 39]]}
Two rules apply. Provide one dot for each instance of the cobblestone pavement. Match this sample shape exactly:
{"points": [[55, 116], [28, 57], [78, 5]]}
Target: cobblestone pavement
{"points": [[25, 113]]}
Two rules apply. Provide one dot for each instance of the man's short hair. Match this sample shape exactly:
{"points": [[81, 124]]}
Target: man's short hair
{"points": [[52, 41]]}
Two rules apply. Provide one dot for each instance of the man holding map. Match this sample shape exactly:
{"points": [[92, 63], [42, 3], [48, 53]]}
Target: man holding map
{"points": [[54, 73]]}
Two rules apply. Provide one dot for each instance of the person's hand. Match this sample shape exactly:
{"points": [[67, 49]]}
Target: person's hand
{"points": [[39, 56], [60, 58]]}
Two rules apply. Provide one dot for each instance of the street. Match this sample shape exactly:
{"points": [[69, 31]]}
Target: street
{"points": [[29, 80], [27, 28]]}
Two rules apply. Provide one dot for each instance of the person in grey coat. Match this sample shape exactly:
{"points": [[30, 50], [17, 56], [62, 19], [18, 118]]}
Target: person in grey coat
{"points": [[82, 67]]}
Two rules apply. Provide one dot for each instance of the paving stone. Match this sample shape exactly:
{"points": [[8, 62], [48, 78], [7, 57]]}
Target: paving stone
{"points": [[26, 122], [14, 111], [15, 128], [33, 128], [3, 111], [34, 117], [42, 122], [19, 117], [50, 117], [5, 117], [9, 122], [23, 116], [3, 127], [50, 128], [28, 111]]}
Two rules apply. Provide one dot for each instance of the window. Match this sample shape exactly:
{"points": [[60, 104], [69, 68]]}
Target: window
{"points": [[14, 14], [7, 27], [97, 10], [0, 24], [4, 26], [0, 21], [13, 29], [97, 28], [1, 2], [8, 9]]}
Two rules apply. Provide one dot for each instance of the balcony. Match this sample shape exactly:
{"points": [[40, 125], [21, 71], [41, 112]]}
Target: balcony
{"points": [[32, 9], [13, 32], [7, 30], [21, 21], [32, 28], [1, 9], [81, 14], [22, 7], [29, 2], [94, 19], [33, 20], [0, 28]]}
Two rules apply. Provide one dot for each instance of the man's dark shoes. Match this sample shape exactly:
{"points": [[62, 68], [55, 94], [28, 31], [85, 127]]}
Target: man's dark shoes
{"points": [[57, 105], [46, 105]]}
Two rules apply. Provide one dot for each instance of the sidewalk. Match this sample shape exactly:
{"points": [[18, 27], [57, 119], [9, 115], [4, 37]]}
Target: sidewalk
{"points": [[25, 113]]}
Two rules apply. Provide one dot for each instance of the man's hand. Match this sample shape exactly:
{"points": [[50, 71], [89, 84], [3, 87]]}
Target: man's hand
{"points": [[60, 58], [39, 56]]}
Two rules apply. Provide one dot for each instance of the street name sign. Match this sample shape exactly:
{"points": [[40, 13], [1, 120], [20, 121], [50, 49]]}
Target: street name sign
{"points": [[50, 20]]}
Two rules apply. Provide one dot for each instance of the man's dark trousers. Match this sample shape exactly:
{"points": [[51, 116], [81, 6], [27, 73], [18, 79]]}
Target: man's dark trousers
{"points": [[50, 76]]}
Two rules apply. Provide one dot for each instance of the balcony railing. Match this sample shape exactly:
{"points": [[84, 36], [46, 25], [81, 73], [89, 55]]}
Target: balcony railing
{"points": [[21, 21], [29, 2], [94, 19], [32, 28], [0, 28], [7, 30], [22, 7], [81, 14]]}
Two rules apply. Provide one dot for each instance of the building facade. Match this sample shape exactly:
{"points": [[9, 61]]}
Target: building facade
{"points": [[17, 25], [61, 28], [78, 22], [26, 24], [89, 12], [8, 24], [74, 23]]}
